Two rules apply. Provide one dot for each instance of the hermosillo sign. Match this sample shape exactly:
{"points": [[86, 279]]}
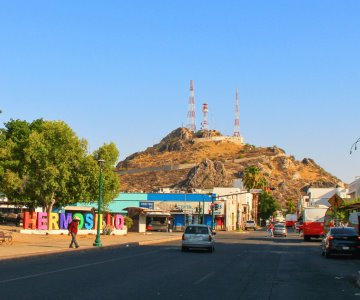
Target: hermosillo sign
{"points": [[37, 221]]}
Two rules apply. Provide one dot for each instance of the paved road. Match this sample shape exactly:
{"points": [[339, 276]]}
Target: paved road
{"points": [[244, 266]]}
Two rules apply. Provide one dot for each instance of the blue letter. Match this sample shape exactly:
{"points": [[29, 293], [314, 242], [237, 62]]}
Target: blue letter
{"points": [[89, 221]]}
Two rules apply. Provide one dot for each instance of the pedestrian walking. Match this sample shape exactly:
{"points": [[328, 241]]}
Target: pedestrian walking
{"points": [[271, 230], [73, 230]]}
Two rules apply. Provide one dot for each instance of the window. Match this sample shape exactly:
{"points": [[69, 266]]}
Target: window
{"points": [[345, 230]]}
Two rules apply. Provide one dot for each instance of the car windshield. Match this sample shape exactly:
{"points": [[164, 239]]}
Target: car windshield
{"points": [[251, 222], [343, 231], [196, 230]]}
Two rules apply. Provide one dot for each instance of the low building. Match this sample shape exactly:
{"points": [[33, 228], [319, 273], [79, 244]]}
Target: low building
{"points": [[320, 196], [224, 208], [354, 188]]}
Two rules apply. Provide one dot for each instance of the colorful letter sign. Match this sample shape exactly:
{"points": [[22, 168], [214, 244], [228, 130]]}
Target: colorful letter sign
{"points": [[54, 221]]}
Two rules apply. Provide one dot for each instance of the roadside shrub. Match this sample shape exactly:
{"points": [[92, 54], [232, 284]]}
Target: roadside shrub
{"points": [[128, 222], [107, 230]]}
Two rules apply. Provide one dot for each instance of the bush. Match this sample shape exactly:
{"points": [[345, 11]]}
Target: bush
{"points": [[107, 230], [128, 222]]}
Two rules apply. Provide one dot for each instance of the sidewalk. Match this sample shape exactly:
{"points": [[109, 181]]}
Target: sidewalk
{"points": [[25, 245]]}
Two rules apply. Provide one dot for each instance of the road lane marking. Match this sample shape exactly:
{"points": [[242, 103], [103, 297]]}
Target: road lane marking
{"points": [[204, 278], [76, 267]]}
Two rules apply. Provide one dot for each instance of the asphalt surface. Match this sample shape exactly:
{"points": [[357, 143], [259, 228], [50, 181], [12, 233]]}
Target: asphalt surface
{"points": [[244, 266]]}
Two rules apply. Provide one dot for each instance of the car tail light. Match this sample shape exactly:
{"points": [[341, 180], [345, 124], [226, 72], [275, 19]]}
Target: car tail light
{"points": [[183, 237], [149, 228], [331, 237], [358, 237], [210, 238]]}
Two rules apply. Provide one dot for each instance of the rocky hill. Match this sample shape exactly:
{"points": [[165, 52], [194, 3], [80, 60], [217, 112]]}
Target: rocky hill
{"points": [[206, 159]]}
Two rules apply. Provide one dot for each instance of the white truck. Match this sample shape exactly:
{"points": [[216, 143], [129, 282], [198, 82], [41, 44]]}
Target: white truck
{"points": [[290, 220], [313, 222], [250, 224]]}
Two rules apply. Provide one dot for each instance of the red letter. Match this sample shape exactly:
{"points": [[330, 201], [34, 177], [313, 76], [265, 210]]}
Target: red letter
{"points": [[29, 220]]}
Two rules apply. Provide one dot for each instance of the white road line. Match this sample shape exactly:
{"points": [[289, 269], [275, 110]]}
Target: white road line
{"points": [[76, 267], [204, 278]]}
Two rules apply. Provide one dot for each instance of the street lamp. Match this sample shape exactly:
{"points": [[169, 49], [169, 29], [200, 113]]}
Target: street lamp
{"points": [[354, 146], [212, 210], [97, 240]]}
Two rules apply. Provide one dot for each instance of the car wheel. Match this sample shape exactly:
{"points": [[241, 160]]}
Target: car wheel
{"points": [[211, 249], [306, 238], [184, 249]]}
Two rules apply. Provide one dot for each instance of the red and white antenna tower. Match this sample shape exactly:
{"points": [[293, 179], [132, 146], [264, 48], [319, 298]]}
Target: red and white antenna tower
{"points": [[237, 118], [205, 123], [191, 111]]}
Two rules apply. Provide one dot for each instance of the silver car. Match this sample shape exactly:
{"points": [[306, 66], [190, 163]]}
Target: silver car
{"points": [[280, 229], [198, 236]]}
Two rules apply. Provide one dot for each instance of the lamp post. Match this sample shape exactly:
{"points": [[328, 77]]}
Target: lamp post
{"points": [[98, 240], [203, 209], [212, 210], [354, 146]]}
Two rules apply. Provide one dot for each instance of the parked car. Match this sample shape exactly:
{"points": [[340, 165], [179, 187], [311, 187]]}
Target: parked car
{"points": [[341, 240], [250, 224], [280, 229], [156, 225], [198, 236]]}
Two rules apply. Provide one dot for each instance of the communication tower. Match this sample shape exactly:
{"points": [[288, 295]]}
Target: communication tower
{"points": [[205, 123], [237, 118], [191, 111]]}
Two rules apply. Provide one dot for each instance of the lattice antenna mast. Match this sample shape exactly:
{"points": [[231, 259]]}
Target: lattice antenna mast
{"points": [[237, 118], [205, 124], [191, 111]]}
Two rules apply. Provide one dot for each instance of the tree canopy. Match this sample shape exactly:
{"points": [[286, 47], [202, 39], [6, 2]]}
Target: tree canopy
{"points": [[267, 205], [44, 162], [290, 206], [253, 178]]}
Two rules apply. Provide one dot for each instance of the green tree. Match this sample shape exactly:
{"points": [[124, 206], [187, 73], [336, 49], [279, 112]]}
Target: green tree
{"points": [[44, 163], [290, 206], [55, 158], [267, 205], [111, 184], [253, 178], [14, 139]]}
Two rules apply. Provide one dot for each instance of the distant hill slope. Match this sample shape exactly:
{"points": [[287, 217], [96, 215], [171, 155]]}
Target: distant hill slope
{"points": [[206, 159]]}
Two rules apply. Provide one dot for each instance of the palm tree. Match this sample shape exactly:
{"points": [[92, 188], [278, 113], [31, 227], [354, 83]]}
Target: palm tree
{"points": [[253, 178]]}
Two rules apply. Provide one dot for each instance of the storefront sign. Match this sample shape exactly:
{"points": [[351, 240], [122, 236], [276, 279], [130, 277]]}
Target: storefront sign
{"points": [[147, 204], [55, 221]]}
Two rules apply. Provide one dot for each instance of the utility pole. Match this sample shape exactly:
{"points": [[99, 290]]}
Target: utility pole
{"points": [[203, 208], [212, 211]]}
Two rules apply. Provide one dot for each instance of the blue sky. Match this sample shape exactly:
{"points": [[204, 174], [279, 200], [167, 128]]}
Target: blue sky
{"points": [[120, 70]]}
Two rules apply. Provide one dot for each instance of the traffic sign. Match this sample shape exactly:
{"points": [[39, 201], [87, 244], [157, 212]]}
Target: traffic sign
{"points": [[255, 191], [336, 201]]}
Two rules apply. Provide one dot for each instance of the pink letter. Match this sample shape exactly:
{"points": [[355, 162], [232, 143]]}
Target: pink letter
{"points": [[42, 221], [119, 222]]}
